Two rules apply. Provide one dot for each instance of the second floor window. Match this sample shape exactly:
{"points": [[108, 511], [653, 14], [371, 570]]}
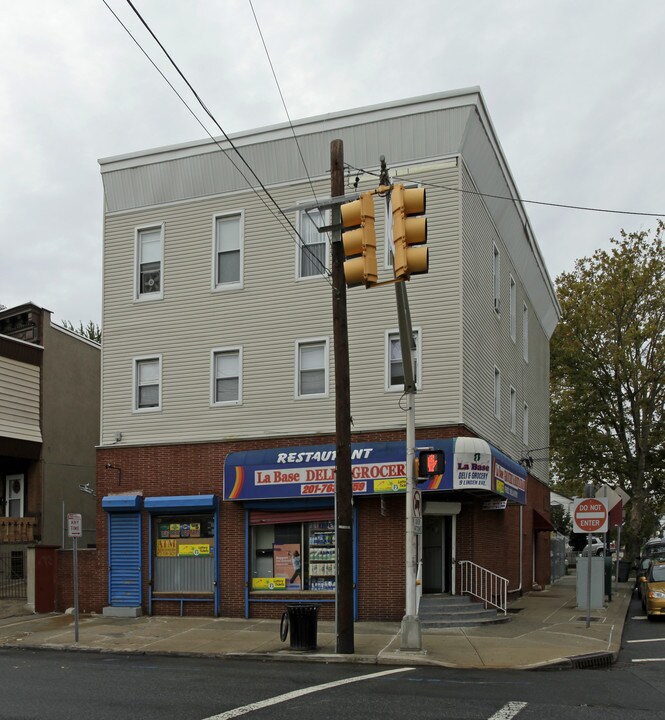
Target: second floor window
{"points": [[497, 393], [312, 245], [513, 309], [525, 425], [496, 285], [513, 410], [312, 370], [228, 251], [525, 332], [395, 366], [149, 253], [147, 383], [226, 376]]}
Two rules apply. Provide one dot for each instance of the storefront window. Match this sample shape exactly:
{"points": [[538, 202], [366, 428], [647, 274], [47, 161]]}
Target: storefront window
{"points": [[294, 556], [184, 553]]}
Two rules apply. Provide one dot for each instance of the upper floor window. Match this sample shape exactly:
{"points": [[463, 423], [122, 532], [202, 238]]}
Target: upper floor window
{"points": [[496, 290], [513, 410], [497, 393], [228, 250], [227, 380], [513, 309], [147, 383], [525, 332], [525, 425], [149, 261], [312, 245], [312, 368], [394, 364]]}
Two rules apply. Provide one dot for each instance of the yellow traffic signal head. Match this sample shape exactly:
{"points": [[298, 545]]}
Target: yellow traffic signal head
{"points": [[409, 228], [359, 241]]}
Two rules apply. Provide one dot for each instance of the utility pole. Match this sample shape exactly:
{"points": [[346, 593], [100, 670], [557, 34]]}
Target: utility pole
{"points": [[343, 478]]}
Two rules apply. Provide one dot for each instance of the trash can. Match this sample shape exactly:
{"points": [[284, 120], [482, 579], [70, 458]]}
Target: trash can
{"points": [[300, 622], [624, 570], [608, 577]]}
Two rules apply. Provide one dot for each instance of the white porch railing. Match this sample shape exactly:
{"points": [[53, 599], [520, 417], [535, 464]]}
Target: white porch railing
{"points": [[483, 584]]}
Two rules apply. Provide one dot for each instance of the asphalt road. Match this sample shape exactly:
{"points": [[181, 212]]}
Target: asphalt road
{"points": [[49, 685]]}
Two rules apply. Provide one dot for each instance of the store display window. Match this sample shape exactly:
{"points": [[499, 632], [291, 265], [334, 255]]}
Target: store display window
{"points": [[293, 556], [184, 553]]}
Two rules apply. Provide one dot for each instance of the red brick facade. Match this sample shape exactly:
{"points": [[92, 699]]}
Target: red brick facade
{"points": [[489, 538]]}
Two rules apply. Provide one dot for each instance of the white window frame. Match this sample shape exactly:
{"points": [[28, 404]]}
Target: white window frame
{"points": [[213, 386], [525, 332], [418, 357], [235, 284], [301, 219], [513, 410], [497, 393], [513, 309], [9, 496], [138, 232], [525, 425], [326, 352], [496, 278], [135, 387]]}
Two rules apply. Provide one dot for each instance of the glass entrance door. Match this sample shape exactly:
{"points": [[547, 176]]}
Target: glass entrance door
{"points": [[437, 553]]}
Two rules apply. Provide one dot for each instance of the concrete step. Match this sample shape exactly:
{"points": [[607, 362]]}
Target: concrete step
{"points": [[443, 610]]}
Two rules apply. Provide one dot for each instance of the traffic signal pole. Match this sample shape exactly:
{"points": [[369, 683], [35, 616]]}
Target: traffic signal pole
{"points": [[343, 478], [411, 635]]}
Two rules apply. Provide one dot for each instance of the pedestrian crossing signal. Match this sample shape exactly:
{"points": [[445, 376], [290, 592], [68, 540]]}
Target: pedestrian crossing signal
{"points": [[430, 462]]}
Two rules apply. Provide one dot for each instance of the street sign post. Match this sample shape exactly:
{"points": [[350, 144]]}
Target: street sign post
{"points": [[75, 531]]}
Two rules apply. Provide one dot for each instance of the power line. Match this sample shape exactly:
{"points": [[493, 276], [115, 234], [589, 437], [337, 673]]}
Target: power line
{"points": [[302, 244], [286, 110], [515, 199]]}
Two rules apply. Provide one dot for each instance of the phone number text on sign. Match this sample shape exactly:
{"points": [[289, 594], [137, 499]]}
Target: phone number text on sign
{"points": [[329, 488]]}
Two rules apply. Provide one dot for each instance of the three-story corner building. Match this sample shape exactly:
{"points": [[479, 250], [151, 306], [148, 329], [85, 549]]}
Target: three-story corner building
{"points": [[49, 428], [216, 466]]}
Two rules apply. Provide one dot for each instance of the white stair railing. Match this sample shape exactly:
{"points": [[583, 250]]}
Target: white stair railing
{"points": [[483, 584]]}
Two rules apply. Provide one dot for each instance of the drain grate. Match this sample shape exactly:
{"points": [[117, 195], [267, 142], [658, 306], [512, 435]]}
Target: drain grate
{"points": [[582, 618], [514, 611], [595, 660]]}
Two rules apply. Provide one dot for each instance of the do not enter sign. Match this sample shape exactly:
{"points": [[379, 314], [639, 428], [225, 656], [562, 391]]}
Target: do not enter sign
{"points": [[590, 515]]}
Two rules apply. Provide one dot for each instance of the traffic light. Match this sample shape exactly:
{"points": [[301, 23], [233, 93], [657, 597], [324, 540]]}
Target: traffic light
{"points": [[409, 229], [429, 463], [359, 241]]}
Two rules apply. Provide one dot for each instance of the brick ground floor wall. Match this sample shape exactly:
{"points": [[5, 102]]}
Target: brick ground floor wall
{"points": [[503, 541]]}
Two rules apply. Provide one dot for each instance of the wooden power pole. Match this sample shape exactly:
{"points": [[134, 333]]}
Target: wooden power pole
{"points": [[343, 478]]}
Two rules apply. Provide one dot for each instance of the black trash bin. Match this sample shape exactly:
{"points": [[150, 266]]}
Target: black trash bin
{"points": [[608, 577], [300, 622], [624, 570]]}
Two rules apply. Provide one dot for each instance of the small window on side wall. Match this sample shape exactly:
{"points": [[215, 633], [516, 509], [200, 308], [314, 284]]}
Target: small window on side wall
{"points": [[394, 364], [149, 261], [147, 384]]}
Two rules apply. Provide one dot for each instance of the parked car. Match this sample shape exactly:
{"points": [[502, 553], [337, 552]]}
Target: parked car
{"points": [[643, 568], [653, 591], [597, 547], [653, 548]]}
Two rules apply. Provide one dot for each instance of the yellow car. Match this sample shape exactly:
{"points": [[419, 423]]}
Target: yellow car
{"points": [[653, 591]]}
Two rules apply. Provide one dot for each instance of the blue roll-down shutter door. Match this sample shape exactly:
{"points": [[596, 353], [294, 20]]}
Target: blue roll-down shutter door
{"points": [[125, 559]]}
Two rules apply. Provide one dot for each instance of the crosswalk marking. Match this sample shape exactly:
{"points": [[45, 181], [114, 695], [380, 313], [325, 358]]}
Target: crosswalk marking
{"points": [[508, 711], [237, 712]]}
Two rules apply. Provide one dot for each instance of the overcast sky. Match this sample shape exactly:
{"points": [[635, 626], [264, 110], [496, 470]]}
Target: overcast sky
{"points": [[574, 89]]}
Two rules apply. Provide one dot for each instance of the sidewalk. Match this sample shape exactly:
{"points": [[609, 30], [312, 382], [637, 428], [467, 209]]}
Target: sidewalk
{"points": [[546, 630]]}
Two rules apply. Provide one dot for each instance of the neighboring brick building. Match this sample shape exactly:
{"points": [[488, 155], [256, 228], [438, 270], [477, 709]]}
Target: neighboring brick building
{"points": [[216, 464]]}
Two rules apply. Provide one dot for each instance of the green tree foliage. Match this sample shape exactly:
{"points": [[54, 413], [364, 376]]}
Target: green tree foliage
{"points": [[608, 377], [561, 520], [90, 331]]}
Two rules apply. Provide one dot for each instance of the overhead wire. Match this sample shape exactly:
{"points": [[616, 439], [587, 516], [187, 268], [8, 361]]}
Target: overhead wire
{"points": [[286, 110], [515, 199], [302, 244]]}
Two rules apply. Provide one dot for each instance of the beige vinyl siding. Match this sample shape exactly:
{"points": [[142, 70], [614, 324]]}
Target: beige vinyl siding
{"points": [[488, 344], [19, 400], [266, 318]]}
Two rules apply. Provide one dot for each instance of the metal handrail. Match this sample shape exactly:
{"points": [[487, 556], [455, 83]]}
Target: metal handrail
{"points": [[483, 584]]}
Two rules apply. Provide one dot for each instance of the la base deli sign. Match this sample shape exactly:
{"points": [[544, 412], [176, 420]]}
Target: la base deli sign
{"points": [[590, 515]]}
